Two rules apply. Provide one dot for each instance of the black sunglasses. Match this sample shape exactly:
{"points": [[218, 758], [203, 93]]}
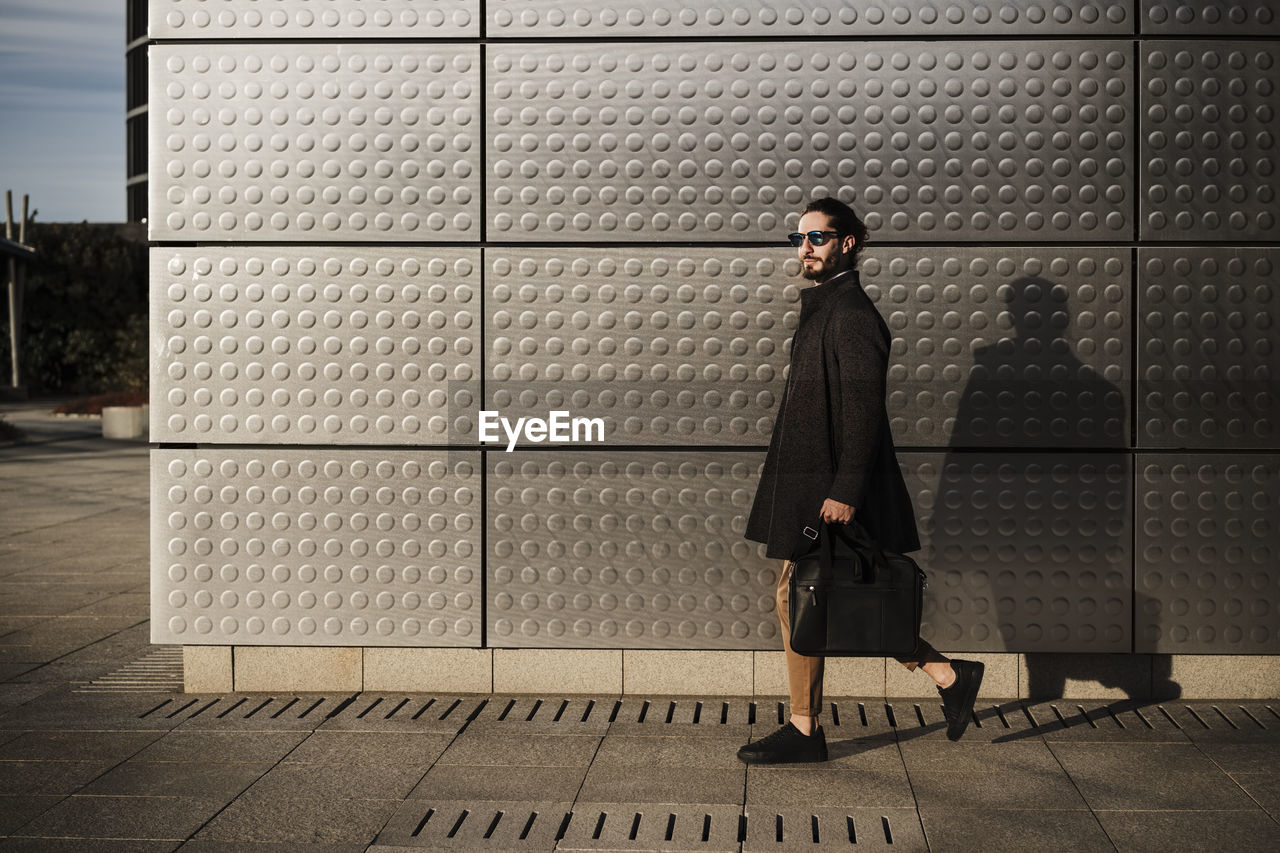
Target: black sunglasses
{"points": [[815, 238]]}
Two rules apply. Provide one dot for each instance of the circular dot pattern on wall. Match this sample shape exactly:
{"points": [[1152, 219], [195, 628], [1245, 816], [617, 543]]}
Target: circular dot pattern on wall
{"points": [[658, 18], [1019, 346], [347, 19], [1026, 551], [687, 348], [1209, 143], [1181, 18], [284, 345], [1207, 551], [639, 550], [695, 143], [1208, 340], [305, 142], [307, 548]]}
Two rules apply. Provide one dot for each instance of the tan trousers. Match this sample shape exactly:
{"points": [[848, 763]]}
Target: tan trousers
{"points": [[804, 674]]}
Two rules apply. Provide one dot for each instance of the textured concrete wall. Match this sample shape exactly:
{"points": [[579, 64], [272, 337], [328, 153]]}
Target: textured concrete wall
{"points": [[370, 219]]}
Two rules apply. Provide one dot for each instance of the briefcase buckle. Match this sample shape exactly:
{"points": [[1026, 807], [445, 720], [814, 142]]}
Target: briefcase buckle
{"points": [[811, 533]]}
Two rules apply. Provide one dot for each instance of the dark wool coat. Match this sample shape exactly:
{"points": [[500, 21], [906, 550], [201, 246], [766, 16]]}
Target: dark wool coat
{"points": [[831, 435]]}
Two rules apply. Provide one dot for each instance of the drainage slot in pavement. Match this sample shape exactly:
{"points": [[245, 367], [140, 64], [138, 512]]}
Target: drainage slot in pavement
{"points": [[528, 826], [796, 830], [458, 825], [425, 819]]}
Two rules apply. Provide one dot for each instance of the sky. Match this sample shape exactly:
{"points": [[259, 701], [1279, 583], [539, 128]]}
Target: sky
{"points": [[62, 108]]}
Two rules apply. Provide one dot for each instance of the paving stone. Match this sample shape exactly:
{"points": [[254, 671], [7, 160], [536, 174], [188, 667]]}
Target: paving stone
{"points": [[223, 747], [391, 748], [17, 812], [177, 779], [494, 749], [167, 818], [1160, 791], [67, 711], [77, 746], [1122, 760], [10, 671], [1173, 776], [828, 785], [649, 752], [823, 828], [1005, 789], [466, 825], [197, 846], [648, 826], [1263, 788], [62, 673], [1242, 757], [681, 785], [1013, 830], [1246, 831], [18, 778], [335, 781], [1026, 756], [86, 845], [301, 821], [467, 783]]}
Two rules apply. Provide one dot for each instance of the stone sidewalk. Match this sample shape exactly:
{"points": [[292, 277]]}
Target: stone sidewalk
{"points": [[100, 752]]}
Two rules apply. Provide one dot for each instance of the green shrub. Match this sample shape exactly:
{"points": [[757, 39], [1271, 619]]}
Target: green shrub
{"points": [[85, 312]]}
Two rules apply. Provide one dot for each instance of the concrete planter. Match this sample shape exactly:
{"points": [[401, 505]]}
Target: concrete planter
{"points": [[124, 421]]}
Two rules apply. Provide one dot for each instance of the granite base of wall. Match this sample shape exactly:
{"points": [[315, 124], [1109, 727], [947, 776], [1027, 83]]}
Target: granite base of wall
{"points": [[222, 669]]}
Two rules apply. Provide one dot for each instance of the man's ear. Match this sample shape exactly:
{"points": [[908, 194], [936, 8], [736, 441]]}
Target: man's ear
{"points": [[848, 243]]}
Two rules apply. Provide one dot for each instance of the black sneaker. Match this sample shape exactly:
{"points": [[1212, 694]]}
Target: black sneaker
{"points": [[786, 746], [958, 699]]}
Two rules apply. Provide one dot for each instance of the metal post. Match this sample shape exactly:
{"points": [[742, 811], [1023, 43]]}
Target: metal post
{"points": [[13, 292], [20, 288]]}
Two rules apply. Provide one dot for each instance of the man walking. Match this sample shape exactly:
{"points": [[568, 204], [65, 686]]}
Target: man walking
{"points": [[831, 457]]}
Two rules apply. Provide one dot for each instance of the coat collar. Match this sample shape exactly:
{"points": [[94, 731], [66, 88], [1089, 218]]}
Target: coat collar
{"points": [[820, 292]]}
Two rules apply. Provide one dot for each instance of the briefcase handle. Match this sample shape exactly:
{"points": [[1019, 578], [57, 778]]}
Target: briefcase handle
{"points": [[860, 537]]}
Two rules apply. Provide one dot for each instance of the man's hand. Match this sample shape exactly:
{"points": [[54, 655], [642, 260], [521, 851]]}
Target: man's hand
{"points": [[836, 511]]}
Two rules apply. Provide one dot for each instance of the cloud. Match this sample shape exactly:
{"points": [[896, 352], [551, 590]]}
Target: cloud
{"points": [[62, 106]]}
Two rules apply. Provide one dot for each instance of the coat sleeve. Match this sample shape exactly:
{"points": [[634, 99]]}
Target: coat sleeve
{"points": [[862, 362]]}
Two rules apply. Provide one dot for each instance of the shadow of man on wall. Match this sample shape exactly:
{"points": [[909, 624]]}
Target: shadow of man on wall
{"points": [[1030, 523]]}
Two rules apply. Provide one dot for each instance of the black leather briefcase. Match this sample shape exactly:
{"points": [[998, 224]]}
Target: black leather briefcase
{"points": [[850, 598]]}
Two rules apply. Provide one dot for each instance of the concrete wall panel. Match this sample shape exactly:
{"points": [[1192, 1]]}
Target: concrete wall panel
{"points": [[688, 142], [1209, 18], [307, 142], [1207, 348], [315, 548], [720, 19], [631, 549], [1026, 551], [292, 345], [1208, 146], [1208, 553], [1012, 346], [666, 347], [323, 19]]}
